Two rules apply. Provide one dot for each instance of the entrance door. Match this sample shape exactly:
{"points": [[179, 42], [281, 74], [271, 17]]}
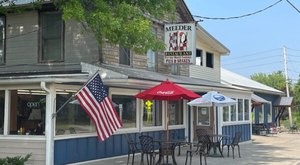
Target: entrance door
{"points": [[204, 119]]}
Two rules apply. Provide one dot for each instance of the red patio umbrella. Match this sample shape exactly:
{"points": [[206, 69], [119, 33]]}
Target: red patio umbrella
{"points": [[167, 90]]}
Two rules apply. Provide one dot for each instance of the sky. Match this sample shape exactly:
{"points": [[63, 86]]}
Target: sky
{"points": [[255, 42]]}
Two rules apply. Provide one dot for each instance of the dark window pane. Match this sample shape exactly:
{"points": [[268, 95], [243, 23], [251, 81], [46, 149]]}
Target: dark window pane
{"points": [[124, 56], [2, 38], [209, 60], [51, 37]]}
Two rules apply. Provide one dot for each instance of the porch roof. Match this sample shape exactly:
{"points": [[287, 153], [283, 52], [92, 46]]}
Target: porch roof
{"points": [[256, 100], [283, 102]]}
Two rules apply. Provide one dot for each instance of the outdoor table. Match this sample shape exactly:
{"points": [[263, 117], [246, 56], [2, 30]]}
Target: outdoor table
{"points": [[215, 142], [167, 148]]}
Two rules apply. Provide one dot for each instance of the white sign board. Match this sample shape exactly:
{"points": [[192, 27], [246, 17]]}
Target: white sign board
{"points": [[180, 41]]}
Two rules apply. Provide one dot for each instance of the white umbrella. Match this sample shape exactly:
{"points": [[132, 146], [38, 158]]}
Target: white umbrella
{"points": [[212, 98]]}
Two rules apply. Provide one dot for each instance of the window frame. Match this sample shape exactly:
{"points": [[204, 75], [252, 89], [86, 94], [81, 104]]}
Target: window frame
{"points": [[128, 92], [41, 45], [4, 40], [197, 118], [200, 55]]}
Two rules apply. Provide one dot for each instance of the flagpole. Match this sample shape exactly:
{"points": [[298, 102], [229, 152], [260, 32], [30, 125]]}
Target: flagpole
{"points": [[60, 108]]}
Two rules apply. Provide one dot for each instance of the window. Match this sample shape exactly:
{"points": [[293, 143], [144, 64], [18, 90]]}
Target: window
{"points": [[226, 113], [27, 112], [233, 112], [240, 110], [203, 116], [51, 37], [2, 99], [152, 114], [175, 112], [2, 39], [151, 55], [151, 60], [260, 110], [175, 69], [126, 109], [124, 56], [199, 58], [269, 113], [209, 60], [246, 105], [72, 119]]}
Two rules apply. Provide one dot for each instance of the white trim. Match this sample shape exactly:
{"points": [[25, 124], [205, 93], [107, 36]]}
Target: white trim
{"points": [[49, 123], [236, 123], [7, 104], [23, 137], [128, 92]]}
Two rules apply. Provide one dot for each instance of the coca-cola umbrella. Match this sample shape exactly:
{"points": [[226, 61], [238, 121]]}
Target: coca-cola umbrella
{"points": [[167, 90]]}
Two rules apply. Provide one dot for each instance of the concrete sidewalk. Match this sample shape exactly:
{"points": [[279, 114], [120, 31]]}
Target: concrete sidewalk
{"points": [[281, 149]]}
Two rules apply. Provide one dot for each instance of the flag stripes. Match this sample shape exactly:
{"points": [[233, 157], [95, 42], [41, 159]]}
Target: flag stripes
{"points": [[99, 107]]}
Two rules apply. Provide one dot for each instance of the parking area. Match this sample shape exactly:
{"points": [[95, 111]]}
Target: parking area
{"points": [[280, 149]]}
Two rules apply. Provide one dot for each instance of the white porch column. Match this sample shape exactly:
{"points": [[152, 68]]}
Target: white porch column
{"points": [[6, 125], [49, 128]]}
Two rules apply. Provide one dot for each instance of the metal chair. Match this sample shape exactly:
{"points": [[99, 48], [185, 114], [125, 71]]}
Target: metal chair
{"points": [[201, 149], [132, 147], [235, 142], [147, 148], [72, 130], [60, 132]]}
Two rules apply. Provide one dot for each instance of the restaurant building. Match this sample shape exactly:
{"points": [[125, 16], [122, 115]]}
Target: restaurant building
{"points": [[43, 66]]}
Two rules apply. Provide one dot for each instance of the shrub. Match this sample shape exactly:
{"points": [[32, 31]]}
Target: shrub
{"points": [[17, 160]]}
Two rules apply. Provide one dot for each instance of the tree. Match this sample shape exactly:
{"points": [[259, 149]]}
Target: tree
{"points": [[275, 80], [124, 22]]}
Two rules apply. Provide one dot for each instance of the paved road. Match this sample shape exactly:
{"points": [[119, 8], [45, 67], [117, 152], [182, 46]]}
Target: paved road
{"points": [[281, 149]]}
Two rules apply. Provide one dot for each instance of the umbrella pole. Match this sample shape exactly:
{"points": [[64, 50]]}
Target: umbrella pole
{"points": [[167, 122]]}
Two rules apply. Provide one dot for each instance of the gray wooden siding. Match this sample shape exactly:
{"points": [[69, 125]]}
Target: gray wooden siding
{"points": [[21, 147], [22, 41], [80, 45], [22, 38]]}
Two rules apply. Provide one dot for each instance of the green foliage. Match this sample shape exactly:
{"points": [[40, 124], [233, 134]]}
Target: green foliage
{"points": [[275, 79], [17, 160], [124, 22]]}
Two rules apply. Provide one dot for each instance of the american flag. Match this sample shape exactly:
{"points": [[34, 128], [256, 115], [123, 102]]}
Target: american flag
{"points": [[94, 99]]}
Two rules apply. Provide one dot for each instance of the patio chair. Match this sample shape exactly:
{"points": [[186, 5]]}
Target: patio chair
{"points": [[201, 149], [60, 132], [148, 149], [132, 147], [72, 130], [202, 135], [235, 142]]}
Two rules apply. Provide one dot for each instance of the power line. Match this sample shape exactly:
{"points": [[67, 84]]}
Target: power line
{"points": [[265, 64], [256, 53], [236, 17], [293, 49], [259, 58], [293, 6]]}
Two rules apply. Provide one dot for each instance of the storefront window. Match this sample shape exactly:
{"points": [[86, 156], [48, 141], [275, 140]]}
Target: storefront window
{"points": [[2, 99], [240, 109], [27, 112], [152, 114], [203, 116], [233, 112], [175, 111], [260, 110], [246, 103], [269, 114], [126, 109], [72, 118], [225, 113]]}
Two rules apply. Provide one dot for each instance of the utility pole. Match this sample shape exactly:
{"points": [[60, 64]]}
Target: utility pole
{"points": [[287, 84]]}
